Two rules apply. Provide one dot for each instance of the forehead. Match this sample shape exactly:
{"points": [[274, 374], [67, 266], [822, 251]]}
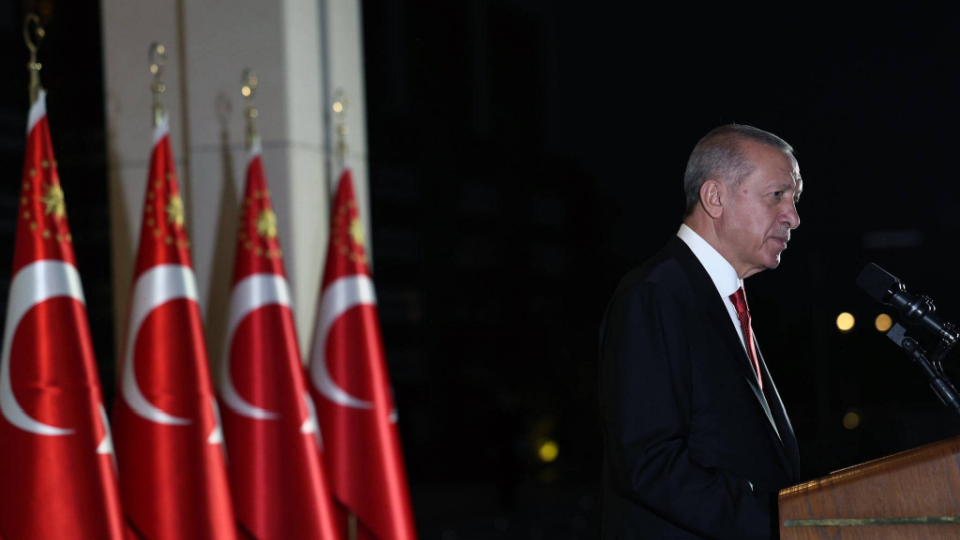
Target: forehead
{"points": [[772, 164]]}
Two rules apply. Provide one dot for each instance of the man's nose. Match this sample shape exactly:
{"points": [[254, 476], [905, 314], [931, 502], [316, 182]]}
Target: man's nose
{"points": [[791, 217]]}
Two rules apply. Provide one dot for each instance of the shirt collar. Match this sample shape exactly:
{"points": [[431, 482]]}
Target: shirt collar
{"points": [[724, 276]]}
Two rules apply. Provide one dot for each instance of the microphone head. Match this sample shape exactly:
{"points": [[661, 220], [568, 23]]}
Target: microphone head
{"points": [[877, 282]]}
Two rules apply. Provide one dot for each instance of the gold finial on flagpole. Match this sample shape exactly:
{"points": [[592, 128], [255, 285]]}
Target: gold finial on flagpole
{"points": [[340, 104], [158, 59], [249, 90], [33, 43]]}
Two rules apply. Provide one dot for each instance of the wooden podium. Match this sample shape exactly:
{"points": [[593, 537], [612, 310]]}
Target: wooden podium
{"points": [[910, 495]]}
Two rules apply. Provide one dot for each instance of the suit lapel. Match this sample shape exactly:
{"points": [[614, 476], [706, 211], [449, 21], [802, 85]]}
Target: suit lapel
{"points": [[707, 292], [739, 359], [785, 428]]}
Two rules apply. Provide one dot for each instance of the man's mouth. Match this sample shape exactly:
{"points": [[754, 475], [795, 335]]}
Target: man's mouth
{"points": [[783, 240]]}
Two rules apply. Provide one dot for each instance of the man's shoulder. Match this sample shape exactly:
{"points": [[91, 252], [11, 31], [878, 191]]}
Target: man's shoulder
{"points": [[667, 270], [660, 285]]}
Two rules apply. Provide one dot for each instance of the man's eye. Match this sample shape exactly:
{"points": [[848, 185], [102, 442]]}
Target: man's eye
{"points": [[778, 194]]}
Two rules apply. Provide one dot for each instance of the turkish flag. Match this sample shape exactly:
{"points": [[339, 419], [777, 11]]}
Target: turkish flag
{"points": [[57, 468], [348, 374], [269, 421], [169, 443]]}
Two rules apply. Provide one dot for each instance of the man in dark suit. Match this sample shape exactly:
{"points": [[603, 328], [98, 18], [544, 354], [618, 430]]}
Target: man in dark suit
{"points": [[697, 442]]}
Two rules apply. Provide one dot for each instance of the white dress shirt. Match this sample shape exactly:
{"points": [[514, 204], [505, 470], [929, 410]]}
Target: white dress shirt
{"points": [[724, 277]]}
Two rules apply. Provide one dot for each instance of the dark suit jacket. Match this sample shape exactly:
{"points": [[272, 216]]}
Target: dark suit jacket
{"points": [[686, 427]]}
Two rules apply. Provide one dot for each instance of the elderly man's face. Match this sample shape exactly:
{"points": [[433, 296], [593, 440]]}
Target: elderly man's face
{"points": [[757, 218]]}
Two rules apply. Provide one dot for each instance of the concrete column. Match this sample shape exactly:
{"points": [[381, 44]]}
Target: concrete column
{"points": [[209, 44]]}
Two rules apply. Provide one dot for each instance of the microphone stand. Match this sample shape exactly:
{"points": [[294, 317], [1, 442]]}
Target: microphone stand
{"points": [[939, 382]]}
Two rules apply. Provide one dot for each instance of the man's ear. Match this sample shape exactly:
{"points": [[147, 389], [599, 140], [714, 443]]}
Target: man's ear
{"points": [[711, 197]]}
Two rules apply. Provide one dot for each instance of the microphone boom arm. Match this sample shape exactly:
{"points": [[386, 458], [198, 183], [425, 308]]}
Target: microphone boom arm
{"points": [[938, 380]]}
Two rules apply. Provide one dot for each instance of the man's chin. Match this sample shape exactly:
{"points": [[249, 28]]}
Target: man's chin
{"points": [[775, 262]]}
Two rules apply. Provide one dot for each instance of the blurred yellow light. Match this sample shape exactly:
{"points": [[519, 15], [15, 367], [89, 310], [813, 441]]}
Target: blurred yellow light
{"points": [[337, 107], [883, 322], [845, 322], [851, 420], [548, 451]]}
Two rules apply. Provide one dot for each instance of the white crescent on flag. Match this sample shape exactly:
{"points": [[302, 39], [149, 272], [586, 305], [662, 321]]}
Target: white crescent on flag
{"points": [[216, 434], [251, 293], [106, 443], [343, 294], [35, 283], [157, 286], [311, 425]]}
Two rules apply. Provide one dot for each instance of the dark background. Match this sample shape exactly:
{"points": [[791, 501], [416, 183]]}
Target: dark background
{"points": [[525, 155]]}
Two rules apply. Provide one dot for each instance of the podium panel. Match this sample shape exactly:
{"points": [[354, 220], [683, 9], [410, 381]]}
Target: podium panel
{"points": [[910, 495]]}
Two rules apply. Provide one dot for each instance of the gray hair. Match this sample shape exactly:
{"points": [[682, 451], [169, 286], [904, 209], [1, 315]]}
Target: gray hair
{"points": [[719, 155]]}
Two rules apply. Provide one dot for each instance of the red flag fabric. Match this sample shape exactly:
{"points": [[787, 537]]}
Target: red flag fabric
{"points": [[56, 458], [348, 374], [173, 478], [278, 484]]}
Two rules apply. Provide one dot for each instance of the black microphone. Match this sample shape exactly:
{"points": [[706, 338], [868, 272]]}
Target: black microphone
{"points": [[888, 290]]}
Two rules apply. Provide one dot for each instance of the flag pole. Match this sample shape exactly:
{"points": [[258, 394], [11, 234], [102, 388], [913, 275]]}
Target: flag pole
{"points": [[33, 43], [249, 89], [352, 525], [339, 107], [340, 104], [158, 59]]}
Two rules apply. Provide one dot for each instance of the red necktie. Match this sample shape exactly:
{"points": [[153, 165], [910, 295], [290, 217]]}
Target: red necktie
{"points": [[739, 300]]}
